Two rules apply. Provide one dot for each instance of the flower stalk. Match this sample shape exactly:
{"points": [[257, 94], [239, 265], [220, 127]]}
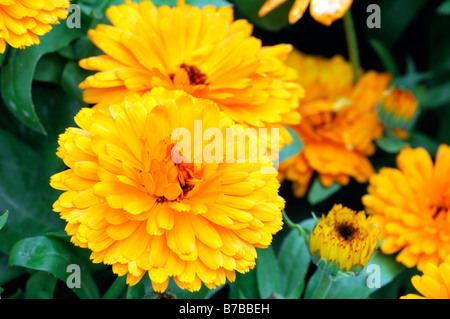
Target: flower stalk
{"points": [[292, 225], [352, 43], [322, 287]]}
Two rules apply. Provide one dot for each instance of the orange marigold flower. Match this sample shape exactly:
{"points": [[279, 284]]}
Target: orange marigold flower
{"points": [[22, 21], [201, 51], [397, 111], [412, 206], [323, 11], [339, 122], [400, 103], [142, 210], [434, 283]]}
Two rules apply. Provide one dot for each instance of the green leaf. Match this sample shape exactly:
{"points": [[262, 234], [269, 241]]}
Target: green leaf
{"points": [[439, 48], [56, 111], [293, 263], [40, 285], [3, 56], [391, 10], [273, 21], [436, 96], [267, 273], [8, 273], [54, 255], [24, 192], [72, 76], [3, 219], [444, 8], [319, 193], [350, 288], [178, 293], [202, 3], [390, 143], [17, 74], [443, 133], [292, 149], [84, 48], [380, 271], [116, 289], [389, 268], [136, 292], [385, 56], [245, 286], [49, 68], [318, 285], [418, 139]]}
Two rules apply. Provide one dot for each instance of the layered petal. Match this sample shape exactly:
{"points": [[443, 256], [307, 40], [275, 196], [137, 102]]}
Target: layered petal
{"points": [[146, 206]]}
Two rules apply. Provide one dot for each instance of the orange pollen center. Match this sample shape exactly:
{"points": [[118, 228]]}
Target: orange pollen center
{"points": [[196, 77], [321, 120], [186, 171], [186, 176]]}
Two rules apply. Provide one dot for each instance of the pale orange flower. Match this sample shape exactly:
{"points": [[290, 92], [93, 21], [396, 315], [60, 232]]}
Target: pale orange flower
{"points": [[339, 123], [434, 283], [22, 21], [323, 11], [412, 206]]}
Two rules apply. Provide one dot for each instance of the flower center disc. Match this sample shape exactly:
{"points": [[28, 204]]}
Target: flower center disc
{"points": [[196, 77], [346, 231]]}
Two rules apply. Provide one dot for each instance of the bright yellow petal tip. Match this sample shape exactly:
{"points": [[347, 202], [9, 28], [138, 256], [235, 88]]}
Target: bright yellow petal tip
{"points": [[145, 206], [344, 237], [434, 283], [411, 204], [22, 21], [203, 52]]}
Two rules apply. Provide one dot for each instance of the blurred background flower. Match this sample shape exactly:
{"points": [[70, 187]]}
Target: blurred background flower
{"points": [[323, 11], [22, 22], [434, 283], [339, 123]]}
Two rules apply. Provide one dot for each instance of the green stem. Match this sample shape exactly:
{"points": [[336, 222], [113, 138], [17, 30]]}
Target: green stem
{"points": [[292, 225], [352, 44], [322, 287], [116, 289]]}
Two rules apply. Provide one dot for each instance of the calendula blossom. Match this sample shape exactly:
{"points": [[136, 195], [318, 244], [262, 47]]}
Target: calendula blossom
{"points": [[143, 205], [401, 104], [323, 11], [411, 204], [201, 51], [23, 21], [339, 123], [434, 283], [345, 239], [398, 110]]}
